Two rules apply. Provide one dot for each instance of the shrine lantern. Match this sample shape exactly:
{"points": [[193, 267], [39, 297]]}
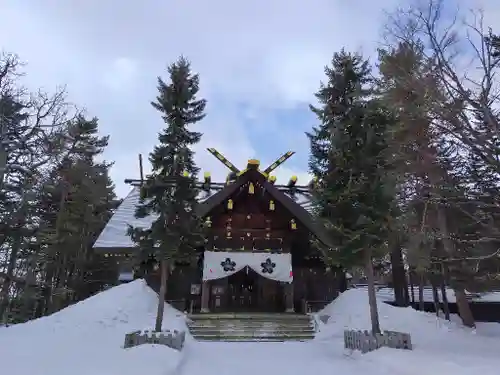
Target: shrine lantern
{"points": [[272, 206]]}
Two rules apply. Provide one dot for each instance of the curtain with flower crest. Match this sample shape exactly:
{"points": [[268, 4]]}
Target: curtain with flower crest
{"points": [[220, 264]]}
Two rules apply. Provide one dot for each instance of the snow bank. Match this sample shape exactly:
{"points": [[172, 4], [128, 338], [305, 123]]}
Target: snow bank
{"points": [[439, 346], [87, 338]]}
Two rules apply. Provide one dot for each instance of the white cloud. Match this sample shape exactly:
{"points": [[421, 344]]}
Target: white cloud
{"points": [[121, 74], [267, 54]]}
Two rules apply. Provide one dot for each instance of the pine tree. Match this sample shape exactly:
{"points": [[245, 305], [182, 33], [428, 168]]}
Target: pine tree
{"points": [[75, 201], [494, 40], [355, 195], [16, 183], [169, 193]]}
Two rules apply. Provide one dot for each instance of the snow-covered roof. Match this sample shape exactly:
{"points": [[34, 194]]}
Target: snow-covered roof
{"points": [[114, 234]]}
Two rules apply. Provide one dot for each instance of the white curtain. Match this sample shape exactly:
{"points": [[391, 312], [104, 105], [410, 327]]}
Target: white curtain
{"points": [[217, 265], [220, 264]]}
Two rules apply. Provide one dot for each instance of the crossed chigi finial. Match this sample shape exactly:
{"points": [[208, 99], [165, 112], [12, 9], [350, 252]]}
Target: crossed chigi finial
{"points": [[266, 172]]}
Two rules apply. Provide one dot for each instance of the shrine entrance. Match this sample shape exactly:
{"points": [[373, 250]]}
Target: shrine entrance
{"points": [[247, 291], [242, 291], [247, 281]]}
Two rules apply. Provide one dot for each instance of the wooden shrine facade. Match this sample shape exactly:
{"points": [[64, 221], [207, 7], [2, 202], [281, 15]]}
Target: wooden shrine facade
{"points": [[249, 216]]}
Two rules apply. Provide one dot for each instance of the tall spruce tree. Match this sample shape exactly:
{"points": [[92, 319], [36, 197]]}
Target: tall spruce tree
{"points": [[76, 200], [354, 196], [169, 193], [494, 39]]}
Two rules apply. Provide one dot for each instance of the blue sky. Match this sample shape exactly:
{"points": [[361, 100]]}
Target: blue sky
{"points": [[259, 61]]}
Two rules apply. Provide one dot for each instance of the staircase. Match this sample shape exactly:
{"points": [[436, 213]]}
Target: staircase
{"points": [[251, 327]]}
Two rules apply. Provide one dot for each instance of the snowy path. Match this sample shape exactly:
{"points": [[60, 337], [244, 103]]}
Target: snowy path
{"points": [[290, 358], [318, 358]]}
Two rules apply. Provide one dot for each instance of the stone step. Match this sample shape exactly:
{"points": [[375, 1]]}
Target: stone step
{"points": [[202, 331], [248, 323], [254, 337], [246, 316], [251, 327]]}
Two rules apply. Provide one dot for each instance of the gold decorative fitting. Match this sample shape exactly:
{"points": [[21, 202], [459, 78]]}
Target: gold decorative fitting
{"points": [[251, 188], [185, 174], [271, 205], [272, 179], [293, 224], [253, 164], [207, 179], [208, 222], [230, 204]]}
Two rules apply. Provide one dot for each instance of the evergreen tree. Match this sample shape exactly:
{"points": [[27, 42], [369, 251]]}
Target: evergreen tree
{"points": [[55, 199], [75, 202], [355, 195], [494, 40], [169, 193], [16, 204]]}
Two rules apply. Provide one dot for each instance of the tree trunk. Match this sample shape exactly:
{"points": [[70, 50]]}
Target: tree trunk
{"points": [[462, 303], [4, 294], [342, 281], [399, 277], [411, 274], [372, 298], [464, 308], [444, 295], [421, 285], [54, 251], [435, 294], [3, 152], [161, 297]]}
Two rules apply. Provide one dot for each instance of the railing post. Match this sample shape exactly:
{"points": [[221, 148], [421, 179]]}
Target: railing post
{"points": [[289, 297], [205, 296]]}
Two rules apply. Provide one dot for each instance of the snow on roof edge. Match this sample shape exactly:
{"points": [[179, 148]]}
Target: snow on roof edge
{"points": [[114, 234]]}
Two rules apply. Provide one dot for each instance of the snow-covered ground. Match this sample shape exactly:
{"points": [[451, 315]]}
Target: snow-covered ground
{"points": [[86, 339], [440, 346]]}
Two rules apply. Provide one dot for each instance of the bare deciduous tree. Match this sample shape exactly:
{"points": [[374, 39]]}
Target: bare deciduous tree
{"points": [[459, 99]]}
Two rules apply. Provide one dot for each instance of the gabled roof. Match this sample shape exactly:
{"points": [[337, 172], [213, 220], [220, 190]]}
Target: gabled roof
{"points": [[296, 209], [114, 235]]}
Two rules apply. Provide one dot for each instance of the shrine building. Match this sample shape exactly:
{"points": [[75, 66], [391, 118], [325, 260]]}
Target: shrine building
{"points": [[258, 255]]}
